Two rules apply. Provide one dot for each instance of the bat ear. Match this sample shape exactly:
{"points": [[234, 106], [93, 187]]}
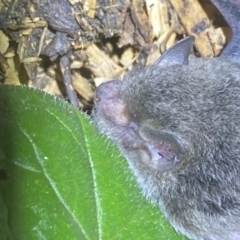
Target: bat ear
{"points": [[178, 54], [164, 150], [231, 11]]}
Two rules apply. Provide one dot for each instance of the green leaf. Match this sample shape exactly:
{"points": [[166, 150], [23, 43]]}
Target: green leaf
{"points": [[59, 179]]}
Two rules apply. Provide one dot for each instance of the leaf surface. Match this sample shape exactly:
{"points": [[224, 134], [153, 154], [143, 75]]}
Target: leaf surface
{"points": [[62, 180]]}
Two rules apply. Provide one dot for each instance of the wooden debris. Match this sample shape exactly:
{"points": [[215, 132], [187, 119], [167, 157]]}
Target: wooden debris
{"points": [[97, 40]]}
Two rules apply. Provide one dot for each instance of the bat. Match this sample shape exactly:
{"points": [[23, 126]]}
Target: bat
{"points": [[177, 123]]}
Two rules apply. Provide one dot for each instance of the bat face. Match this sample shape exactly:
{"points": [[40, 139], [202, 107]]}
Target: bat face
{"points": [[179, 131], [178, 125]]}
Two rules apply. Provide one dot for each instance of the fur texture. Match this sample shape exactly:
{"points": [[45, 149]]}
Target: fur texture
{"points": [[198, 105]]}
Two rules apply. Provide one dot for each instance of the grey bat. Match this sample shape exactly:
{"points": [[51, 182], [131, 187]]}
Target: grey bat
{"points": [[177, 122]]}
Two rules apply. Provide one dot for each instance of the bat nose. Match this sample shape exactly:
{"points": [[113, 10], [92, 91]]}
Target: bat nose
{"points": [[108, 90], [97, 97]]}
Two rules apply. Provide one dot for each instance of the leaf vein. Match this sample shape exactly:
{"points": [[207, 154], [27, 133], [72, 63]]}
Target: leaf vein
{"points": [[52, 184]]}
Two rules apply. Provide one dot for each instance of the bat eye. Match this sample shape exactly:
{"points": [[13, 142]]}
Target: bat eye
{"points": [[164, 149], [160, 154]]}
